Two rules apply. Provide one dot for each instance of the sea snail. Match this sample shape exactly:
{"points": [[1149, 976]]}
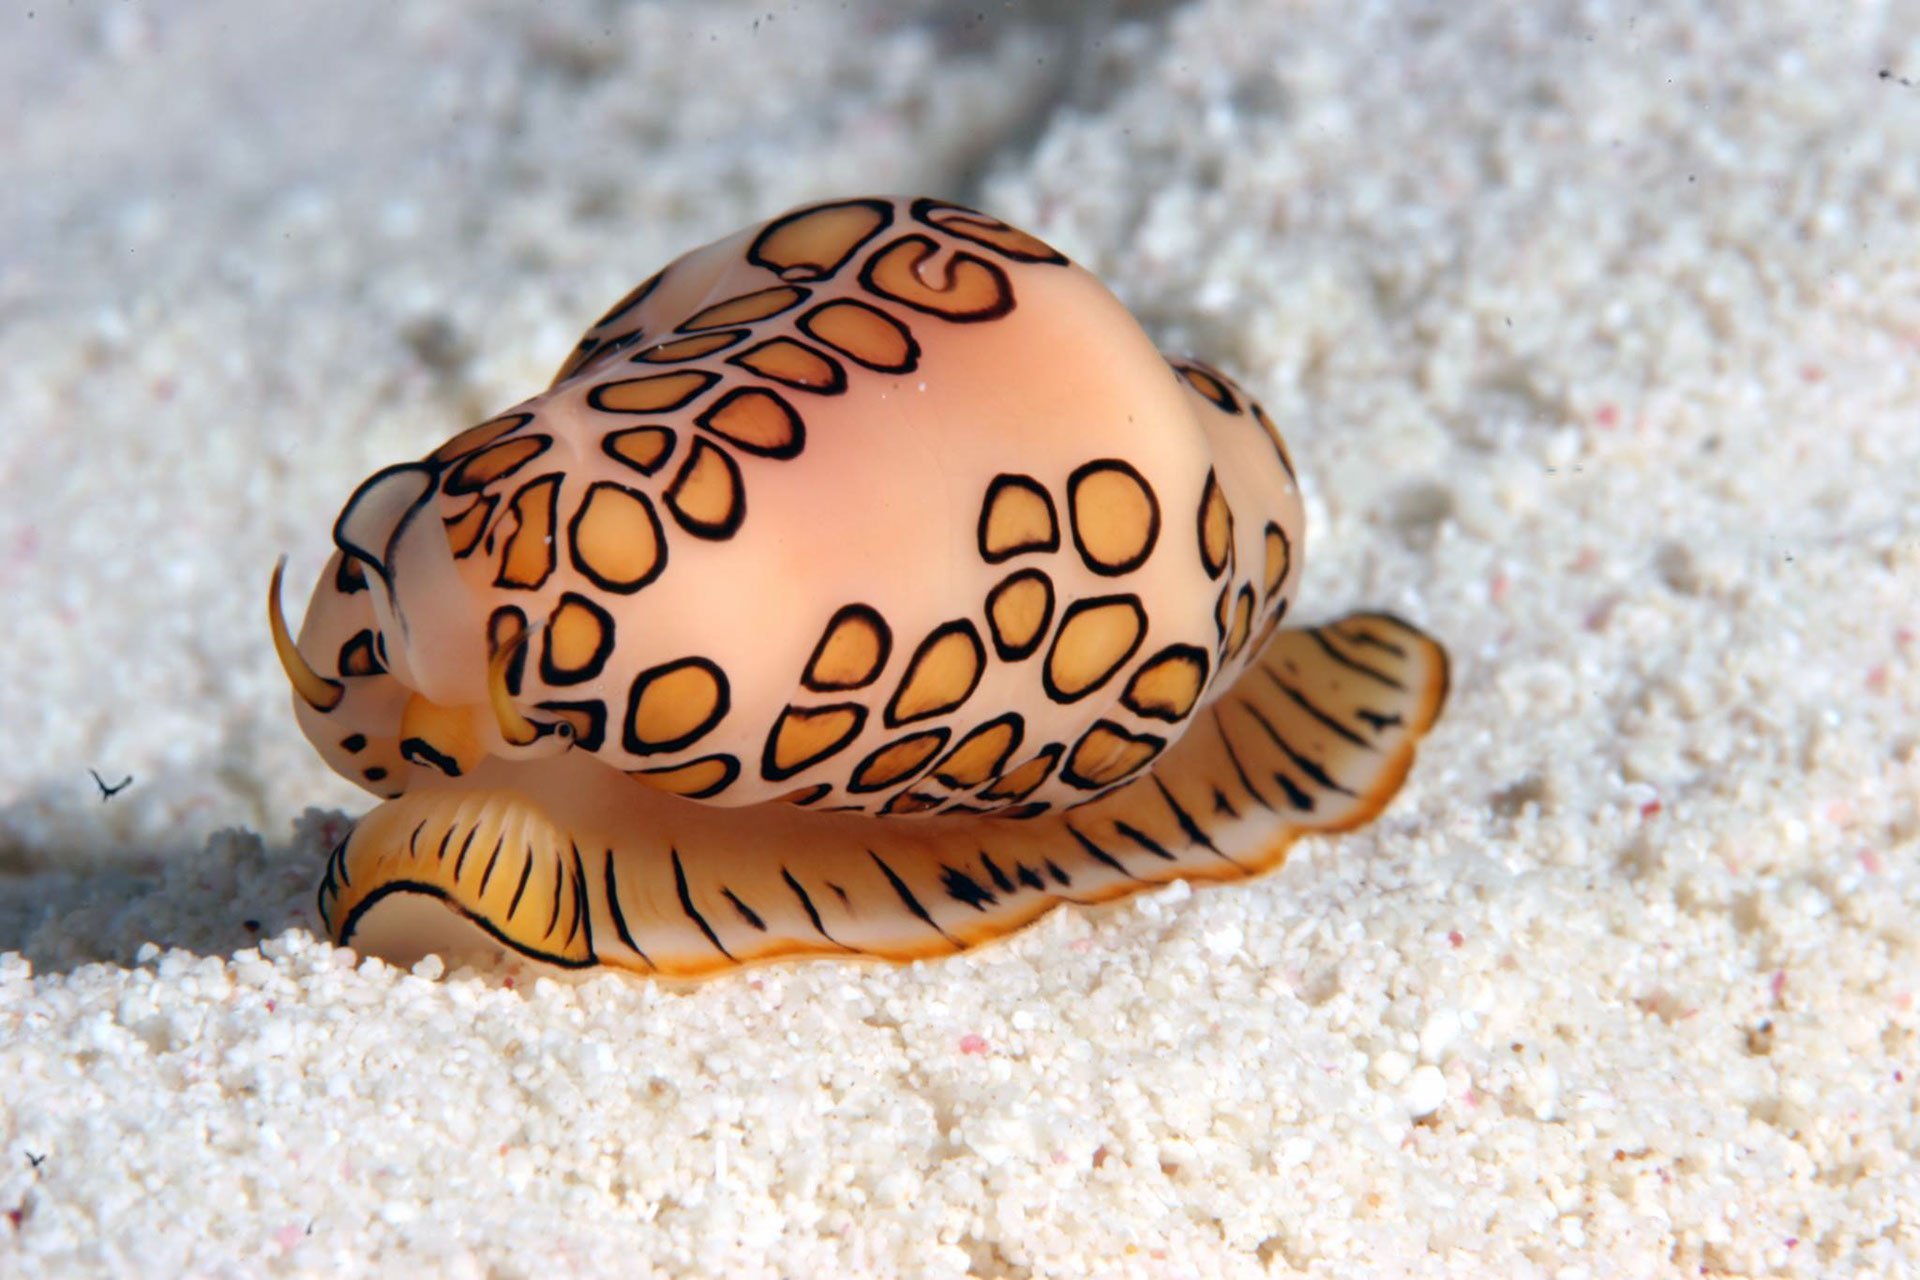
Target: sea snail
{"points": [[864, 585]]}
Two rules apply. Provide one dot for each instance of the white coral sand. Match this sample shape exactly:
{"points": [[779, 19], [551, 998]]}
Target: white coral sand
{"points": [[1595, 331]]}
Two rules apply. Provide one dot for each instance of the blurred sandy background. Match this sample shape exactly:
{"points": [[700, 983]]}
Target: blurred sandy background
{"points": [[1595, 331]]}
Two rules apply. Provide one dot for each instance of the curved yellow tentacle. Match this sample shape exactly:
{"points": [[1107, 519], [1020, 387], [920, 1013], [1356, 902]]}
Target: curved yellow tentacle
{"points": [[319, 692]]}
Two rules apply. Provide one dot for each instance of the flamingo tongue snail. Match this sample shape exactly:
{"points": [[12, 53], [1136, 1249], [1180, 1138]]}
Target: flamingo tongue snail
{"points": [[864, 585]]}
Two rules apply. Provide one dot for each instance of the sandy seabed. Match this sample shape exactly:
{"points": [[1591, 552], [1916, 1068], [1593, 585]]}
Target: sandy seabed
{"points": [[1595, 332]]}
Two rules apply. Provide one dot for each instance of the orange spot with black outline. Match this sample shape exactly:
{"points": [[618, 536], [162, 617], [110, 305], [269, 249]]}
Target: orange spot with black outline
{"points": [[1242, 622], [758, 421], [700, 344], [527, 557], [1279, 557], [811, 244], [577, 641], [866, 335], [941, 675], [1115, 518], [897, 761], [982, 754], [674, 705], [1016, 517], [969, 288], [696, 780], [1095, 639], [655, 393], [793, 364], [851, 652], [1019, 610], [615, 538], [1216, 528], [1168, 684], [1025, 778], [804, 736], [1209, 384], [642, 448], [706, 496], [1106, 754], [357, 656]]}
